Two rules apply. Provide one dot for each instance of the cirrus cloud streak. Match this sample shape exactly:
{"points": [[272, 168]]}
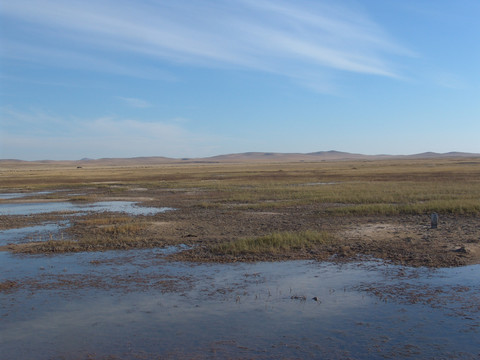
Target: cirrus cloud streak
{"points": [[293, 39]]}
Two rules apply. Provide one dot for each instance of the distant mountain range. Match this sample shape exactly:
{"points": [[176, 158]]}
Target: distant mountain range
{"points": [[255, 157]]}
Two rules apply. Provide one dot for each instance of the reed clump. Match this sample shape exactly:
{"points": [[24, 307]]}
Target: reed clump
{"points": [[122, 229], [275, 243]]}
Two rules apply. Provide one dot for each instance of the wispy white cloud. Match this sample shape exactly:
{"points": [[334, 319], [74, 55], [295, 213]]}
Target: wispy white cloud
{"points": [[136, 103], [286, 38], [67, 57]]}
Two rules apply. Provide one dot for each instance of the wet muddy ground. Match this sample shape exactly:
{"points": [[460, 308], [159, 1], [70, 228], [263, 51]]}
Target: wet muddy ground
{"points": [[175, 299], [177, 217]]}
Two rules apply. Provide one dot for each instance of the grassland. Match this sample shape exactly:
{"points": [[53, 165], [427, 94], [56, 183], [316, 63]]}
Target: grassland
{"points": [[236, 209], [360, 187]]}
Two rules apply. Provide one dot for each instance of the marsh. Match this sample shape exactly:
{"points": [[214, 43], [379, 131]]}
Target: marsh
{"points": [[249, 260]]}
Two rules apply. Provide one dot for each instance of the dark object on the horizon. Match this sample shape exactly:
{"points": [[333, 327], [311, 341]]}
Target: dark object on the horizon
{"points": [[434, 220]]}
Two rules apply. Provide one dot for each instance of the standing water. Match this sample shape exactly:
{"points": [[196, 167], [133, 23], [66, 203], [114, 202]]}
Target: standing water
{"points": [[136, 304]]}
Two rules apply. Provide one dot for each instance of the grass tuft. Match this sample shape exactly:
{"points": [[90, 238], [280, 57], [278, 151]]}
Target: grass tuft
{"points": [[275, 243], [122, 229]]}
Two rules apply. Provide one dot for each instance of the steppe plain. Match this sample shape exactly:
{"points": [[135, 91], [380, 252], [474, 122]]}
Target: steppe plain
{"points": [[264, 210]]}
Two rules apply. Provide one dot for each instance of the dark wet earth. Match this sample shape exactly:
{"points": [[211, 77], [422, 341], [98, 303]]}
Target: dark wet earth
{"points": [[138, 305]]}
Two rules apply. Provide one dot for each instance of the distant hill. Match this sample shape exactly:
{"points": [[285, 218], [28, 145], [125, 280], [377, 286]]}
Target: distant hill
{"points": [[146, 160], [331, 155], [433, 155]]}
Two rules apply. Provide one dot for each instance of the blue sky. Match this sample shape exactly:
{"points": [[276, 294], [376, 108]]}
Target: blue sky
{"points": [[184, 78]]}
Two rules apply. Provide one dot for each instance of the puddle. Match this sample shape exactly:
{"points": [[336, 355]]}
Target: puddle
{"points": [[128, 207], [12, 195], [7, 196], [31, 233], [134, 304]]}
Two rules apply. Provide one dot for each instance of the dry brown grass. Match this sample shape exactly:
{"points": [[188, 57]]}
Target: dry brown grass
{"points": [[279, 242], [353, 187]]}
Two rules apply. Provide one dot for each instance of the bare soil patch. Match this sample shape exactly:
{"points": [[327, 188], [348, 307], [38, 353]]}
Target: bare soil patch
{"points": [[404, 240]]}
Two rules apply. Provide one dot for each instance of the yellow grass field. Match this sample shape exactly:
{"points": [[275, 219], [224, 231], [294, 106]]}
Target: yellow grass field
{"points": [[378, 207]]}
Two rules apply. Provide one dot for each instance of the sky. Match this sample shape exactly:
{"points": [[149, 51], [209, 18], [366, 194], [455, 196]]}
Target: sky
{"points": [[197, 78]]}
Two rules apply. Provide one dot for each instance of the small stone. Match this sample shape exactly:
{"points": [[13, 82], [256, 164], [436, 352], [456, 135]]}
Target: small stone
{"points": [[315, 298], [460, 249], [434, 220]]}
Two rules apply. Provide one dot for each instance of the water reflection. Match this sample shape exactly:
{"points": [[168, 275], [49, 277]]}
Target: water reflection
{"points": [[31, 233], [7, 196], [128, 207], [135, 304]]}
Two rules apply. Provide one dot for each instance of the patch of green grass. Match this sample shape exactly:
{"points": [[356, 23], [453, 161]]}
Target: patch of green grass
{"points": [[280, 242], [363, 197], [454, 206]]}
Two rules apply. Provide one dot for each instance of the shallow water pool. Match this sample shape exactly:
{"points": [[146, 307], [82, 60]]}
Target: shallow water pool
{"points": [[7, 196], [31, 233], [128, 207], [136, 304]]}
